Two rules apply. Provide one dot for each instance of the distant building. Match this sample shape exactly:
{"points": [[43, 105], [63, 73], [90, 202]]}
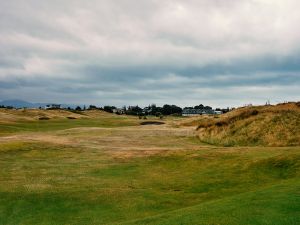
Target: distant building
{"points": [[197, 112], [52, 106], [119, 111], [218, 112]]}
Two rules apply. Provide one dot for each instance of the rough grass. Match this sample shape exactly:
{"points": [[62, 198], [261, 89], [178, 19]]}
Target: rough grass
{"points": [[61, 124], [43, 183], [263, 126], [103, 170]]}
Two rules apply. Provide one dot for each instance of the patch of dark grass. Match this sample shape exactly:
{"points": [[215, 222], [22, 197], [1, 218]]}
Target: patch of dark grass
{"points": [[54, 208], [44, 118], [280, 166], [119, 170], [152, 123], [277, 204]]}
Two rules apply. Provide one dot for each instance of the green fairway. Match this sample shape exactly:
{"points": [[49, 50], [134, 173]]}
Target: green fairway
{"points": [[111, 171], [277, 204], [59, 124]]}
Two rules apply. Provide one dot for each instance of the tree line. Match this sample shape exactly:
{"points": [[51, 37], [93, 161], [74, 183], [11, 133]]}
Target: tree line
{"points": [[136, 110], [149, 110]]}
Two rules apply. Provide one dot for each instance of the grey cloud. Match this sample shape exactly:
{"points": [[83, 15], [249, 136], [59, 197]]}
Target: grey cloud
{"points": [[127, 52]]}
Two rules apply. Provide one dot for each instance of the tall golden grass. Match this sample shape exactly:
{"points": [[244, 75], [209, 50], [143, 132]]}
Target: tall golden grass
{"points": [[277, 125]]}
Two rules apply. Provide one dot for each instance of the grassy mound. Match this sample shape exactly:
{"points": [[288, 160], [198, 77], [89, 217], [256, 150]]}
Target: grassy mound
{"points": [[39, 120], [17, 115], [277, 204], [263, 125]]}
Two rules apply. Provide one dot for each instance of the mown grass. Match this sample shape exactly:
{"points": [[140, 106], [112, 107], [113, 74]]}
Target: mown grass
{"points": [[276, 204], [126, 174], [60, 124], [43, 183]]}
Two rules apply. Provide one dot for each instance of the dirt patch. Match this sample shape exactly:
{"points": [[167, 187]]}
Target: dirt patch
{"points": [[38, 137], [152, 123]]}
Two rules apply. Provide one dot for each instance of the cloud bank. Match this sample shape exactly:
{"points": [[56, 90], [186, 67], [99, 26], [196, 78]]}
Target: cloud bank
{"points": [[222, 53]]}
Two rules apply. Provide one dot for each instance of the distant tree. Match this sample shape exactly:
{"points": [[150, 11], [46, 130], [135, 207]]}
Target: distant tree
{"points": [[208, 108], [171, 109], [92, 107], [225, 110], [78, 108], [199, 106], [109, 109], [153, 109], [158, 114], [134, 110], [6, 107]]}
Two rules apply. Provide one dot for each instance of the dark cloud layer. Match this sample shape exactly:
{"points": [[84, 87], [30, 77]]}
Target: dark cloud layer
{"points": [[139, 52]]}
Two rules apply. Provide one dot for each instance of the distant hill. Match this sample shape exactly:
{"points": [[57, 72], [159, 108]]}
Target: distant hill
{"points": [[19, 103], [16, 103], [249, 126]]}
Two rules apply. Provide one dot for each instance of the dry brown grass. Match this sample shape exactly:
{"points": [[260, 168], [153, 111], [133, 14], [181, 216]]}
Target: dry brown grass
{"points": [[120, 141], [261, 125], [14, 115]]}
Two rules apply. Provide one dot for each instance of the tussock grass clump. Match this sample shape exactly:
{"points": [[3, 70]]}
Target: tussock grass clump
{"points": [[264, 126]]}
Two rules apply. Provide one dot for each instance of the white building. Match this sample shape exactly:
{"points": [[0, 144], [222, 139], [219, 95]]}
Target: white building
{"points": [[196, 112], [52, 106], [218, 112], [119, 111]]}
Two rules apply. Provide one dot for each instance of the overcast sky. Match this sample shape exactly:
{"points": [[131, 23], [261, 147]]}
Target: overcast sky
{"points": [[214, 52]]}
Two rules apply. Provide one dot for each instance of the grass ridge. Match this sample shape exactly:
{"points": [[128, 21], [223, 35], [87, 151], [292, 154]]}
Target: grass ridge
{"points": [[280, 183]]}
